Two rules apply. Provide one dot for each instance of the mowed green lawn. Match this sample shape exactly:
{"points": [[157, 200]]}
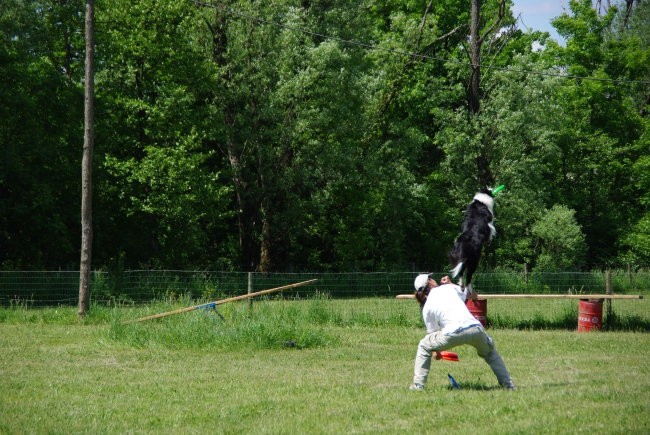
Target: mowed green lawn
{"points": [[61, 376]]}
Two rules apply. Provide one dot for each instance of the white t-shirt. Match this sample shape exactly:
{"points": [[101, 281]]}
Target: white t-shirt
{"points": [[445, 309]]}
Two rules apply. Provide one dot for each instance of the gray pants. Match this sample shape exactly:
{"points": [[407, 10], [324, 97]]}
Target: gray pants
{"points": [[474, 336]]}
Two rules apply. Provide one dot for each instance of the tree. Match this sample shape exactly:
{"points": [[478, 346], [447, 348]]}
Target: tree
{"points": [[524, 154], [87, 165], [512, 138], [560, 243], [41, 122], [636, 242], [161, 183], [485, 177], [315, 135], [602, 122]]}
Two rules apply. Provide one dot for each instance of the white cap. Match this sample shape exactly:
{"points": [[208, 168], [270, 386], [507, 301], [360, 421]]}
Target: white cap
{"points": [[421, 281]]}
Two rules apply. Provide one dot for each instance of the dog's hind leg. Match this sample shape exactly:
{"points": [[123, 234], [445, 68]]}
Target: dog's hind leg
{"points": [[493, 232], [469, 290], [470, 294]]}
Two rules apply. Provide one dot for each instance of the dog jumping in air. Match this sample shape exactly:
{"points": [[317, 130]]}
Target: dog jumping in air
{"points": [[477, 230]]}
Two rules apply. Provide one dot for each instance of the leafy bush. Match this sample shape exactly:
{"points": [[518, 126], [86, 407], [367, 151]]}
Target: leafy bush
{"points": [[560, 240]]}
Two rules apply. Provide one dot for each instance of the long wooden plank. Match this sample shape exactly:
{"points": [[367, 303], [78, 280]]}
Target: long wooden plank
{"points": [[223, 301], [540, 296]]}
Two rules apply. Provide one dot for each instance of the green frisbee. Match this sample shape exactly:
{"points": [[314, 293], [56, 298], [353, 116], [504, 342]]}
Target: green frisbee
{"points": [[498, 189]]}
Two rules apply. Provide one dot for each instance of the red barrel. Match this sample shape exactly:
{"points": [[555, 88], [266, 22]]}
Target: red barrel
{"points": [[590, 315], [478, 308]]}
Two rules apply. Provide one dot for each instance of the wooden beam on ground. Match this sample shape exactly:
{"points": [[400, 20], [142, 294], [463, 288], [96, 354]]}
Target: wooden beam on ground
{"points": [[222, 301], [541, 296]]}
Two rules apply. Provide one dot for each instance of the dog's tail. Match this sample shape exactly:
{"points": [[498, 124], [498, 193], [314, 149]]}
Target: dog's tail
{"points": [[456, 270]]}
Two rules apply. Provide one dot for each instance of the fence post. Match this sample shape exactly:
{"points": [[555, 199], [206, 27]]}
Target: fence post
{"points": [[250, 289], [608, 290]]}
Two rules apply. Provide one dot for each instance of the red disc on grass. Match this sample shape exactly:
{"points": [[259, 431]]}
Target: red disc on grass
{"points": [[449, 356]]}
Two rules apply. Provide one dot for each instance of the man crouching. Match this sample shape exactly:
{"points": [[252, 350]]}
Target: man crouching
{"points": [[449, 324]]}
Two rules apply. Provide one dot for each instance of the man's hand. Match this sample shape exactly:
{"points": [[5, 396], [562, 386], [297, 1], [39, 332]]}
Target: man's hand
{"points": [[436, 354]]}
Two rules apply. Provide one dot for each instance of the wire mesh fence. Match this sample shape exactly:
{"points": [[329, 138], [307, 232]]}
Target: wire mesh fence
{"points": [[376, 293], [46, 288]]}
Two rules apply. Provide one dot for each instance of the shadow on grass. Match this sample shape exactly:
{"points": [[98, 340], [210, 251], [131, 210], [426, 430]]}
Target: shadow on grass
{"points": [[614, 322], [569, 322], [475, 386]]}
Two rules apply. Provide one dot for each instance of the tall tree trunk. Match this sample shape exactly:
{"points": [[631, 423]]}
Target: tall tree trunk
{"points": [[246, 213], [485, 177], [473, 97], [474, 88], [628, 11], [265, 246], [87, 166]]}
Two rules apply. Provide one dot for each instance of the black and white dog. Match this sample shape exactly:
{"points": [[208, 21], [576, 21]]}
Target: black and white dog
{"points": [[476, 231]]}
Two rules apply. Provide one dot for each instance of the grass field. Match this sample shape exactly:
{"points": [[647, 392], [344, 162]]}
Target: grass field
{"points": [[318, 366]]}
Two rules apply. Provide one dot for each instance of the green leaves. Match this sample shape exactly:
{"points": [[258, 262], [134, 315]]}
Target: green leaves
{"points": [[291, 135], [560, 241]]}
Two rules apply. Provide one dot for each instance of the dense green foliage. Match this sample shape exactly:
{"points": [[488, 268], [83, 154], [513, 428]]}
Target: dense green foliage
{"points": [[322, 136]]}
